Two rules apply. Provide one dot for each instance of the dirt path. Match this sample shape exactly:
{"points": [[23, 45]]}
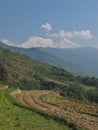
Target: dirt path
{"points": [[32, 98]]}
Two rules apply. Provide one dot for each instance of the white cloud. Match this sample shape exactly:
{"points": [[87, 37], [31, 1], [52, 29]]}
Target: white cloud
{"points": [[53, 35], [68, 44], [47, 27], [45, 42], [85, 34], [38, 42], [9, 43], [64, 34]]}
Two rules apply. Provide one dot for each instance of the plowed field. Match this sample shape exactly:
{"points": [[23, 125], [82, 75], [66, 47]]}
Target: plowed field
{"points": [[32, 98]]}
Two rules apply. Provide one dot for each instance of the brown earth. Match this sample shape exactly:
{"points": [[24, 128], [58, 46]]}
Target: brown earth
{"points": [[32, 98]]}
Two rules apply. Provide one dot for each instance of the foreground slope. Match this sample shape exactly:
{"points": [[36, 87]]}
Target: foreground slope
{"points": [[13, 117]]}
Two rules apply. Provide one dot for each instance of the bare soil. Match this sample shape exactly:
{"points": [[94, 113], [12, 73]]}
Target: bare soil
{"points": [[32, 98]]}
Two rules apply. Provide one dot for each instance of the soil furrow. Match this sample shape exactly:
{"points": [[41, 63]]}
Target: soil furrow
{"points": [[32, 98]]}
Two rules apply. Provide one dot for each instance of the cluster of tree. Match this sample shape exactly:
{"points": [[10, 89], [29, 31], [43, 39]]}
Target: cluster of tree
{"points": [[76, 91], [91, 81], [3, 72], [73, 91]]}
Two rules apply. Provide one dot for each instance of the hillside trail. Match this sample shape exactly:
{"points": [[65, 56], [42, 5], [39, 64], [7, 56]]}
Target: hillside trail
{"points": [[32, 98]]}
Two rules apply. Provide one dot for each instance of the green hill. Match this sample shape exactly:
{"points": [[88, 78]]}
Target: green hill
{"points": [[18, 70]]}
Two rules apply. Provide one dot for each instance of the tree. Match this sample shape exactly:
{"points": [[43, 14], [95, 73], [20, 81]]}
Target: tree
{"points": [[3, 72]]}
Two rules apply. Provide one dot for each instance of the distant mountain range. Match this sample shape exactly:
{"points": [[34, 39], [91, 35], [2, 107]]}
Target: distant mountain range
{"points": [[79, 61], [84, 56]]}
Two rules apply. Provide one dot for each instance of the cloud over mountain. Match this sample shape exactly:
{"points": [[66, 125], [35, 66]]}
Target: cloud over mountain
{"points": [[43, 42], [46, 42], [68, 44], [38, 42], [8, 42]]}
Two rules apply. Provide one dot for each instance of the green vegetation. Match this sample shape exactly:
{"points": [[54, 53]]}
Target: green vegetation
{"points": [[92, 81], [21, 71], [13, 117], [76, 91]]}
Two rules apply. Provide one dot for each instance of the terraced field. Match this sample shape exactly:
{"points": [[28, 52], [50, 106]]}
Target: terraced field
{"points": [[87, 115], [14, 117]]}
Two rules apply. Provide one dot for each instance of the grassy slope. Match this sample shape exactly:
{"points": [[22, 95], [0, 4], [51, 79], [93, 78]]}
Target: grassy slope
{"points": [[16, 118]]}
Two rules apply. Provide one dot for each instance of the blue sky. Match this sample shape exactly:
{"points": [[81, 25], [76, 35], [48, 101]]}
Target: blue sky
{"points": [[60, 21]]}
